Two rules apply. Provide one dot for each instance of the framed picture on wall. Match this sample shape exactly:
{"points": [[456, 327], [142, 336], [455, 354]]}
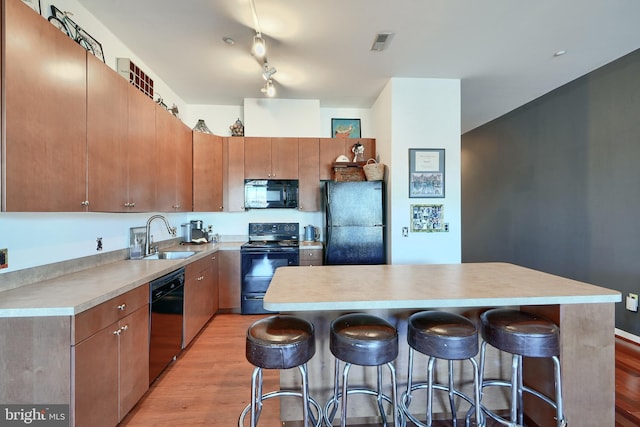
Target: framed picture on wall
{"points": [[427, 218], [426, 173], [345, 128]]}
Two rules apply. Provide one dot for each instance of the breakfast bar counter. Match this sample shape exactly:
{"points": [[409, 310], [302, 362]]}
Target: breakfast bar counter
{"points": [[584, 312]]}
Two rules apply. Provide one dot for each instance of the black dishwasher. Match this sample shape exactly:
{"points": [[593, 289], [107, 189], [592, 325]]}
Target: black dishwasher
{"points": [[167, 306]]}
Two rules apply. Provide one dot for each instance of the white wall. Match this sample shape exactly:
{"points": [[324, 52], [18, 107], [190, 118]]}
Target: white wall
{"points": [[425, 113]]}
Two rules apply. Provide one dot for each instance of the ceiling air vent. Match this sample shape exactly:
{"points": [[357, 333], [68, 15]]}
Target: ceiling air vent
{"points": [[381, 41]]}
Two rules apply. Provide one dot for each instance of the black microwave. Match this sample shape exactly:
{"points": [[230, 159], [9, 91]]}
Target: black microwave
{"points": [[267, 193]]}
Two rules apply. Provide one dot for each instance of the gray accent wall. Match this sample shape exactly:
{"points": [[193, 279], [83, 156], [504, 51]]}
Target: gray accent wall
{"points": [[555, 184]]}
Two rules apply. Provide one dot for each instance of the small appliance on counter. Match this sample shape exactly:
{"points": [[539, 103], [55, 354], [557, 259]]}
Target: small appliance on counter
{"points": [[193, 232], [311, 233]]}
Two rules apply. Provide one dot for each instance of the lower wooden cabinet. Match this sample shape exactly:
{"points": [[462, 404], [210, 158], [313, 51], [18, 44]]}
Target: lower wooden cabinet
{"points": [[311, 256], [229, 276], [200, 296], [110, 368]]}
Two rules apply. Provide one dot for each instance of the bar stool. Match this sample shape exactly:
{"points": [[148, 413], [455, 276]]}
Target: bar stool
{"points": [[448, 336], [280, 342], [521, 334], [364, 340]]}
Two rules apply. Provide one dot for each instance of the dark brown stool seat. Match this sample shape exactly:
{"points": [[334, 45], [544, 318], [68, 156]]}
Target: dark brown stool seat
{"points": [[364, 340], [280, 342], [522, 334], [441, 335]]}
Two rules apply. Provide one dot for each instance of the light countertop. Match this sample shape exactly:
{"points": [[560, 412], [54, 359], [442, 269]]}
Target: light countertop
{"points": [[362, 287], [76, 292]]}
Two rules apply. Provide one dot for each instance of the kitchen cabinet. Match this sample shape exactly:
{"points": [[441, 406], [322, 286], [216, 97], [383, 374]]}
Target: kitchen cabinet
{"points": [[331, 148], [310, 257], [141, 159], [111, 358], [200, 296], [107, 148], [44, 80], [309, 174], [229, 276], [233, 152], [174, 163], [207, 172], [270, 158]]}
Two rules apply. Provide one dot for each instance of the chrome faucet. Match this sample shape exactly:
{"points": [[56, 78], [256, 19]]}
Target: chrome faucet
{"points": [[170, 229]]}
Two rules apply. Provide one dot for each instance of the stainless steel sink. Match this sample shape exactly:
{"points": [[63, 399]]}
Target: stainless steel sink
{"points": [[171, 255]]}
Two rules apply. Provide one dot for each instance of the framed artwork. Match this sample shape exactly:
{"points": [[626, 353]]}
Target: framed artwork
{"points": [[426, 173], [345, 128], [427, 218], [33, 4]]}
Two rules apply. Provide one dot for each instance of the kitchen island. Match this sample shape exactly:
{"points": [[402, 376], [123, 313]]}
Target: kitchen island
{"points": [[584, 312]]}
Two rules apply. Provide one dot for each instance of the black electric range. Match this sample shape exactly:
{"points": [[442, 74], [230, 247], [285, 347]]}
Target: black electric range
{"points": [[271, 245]]}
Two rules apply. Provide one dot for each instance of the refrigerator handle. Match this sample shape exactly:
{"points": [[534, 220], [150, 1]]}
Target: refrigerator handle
{"points": [[327, 238]]}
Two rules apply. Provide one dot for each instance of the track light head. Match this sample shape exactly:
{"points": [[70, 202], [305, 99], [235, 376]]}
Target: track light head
{"points": [[268, 71], [269, 89], [259, 47]]}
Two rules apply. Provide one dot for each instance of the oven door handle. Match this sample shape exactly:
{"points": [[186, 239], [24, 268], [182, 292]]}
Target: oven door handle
{"points": [[253, 298]]}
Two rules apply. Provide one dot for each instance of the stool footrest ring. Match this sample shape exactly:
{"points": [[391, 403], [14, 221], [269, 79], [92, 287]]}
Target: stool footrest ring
{"points": [[317, 422], [405, 400], [332, 404]]}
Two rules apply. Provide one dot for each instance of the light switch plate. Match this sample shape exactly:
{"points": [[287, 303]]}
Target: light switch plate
{"points": [[632, 302], [4, 258]]}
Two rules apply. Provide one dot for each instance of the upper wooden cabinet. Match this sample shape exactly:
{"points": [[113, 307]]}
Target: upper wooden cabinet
{"points": [[45, 83], [270, 158], [173, 167], [233, 152], [107, 148], [207, 172], [142, 155], [332, 148], [309, 174]]}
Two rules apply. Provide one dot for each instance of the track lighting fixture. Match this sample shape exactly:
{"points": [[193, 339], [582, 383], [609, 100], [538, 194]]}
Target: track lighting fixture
{"points": [[269, 89], [259, 47], [268, 71]]}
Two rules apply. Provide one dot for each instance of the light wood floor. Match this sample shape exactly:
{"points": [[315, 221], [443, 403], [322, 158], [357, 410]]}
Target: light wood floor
{"points": [[209, 384]]}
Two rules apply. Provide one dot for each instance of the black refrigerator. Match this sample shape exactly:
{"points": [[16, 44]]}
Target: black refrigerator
{"points": [[354, 221]]}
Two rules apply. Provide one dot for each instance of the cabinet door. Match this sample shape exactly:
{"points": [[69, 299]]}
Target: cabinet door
{"points": [[134, 359], [106, 137], [216, 282], [198, 298], [45, 111], [229, 285], [233, 170], [309, 174], [184, 164], [257, 158], [330, 150], [141, 143], [207, 172], [174, 163], [284, 158], [96, 379]]}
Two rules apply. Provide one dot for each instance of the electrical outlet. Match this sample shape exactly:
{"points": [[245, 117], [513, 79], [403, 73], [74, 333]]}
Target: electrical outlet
{"points": [[98, 243], [632, 302], [4, 258], [405, 231]]}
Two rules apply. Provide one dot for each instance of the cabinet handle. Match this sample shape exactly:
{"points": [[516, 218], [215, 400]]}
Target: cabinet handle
{"points": [[124, 328], [85, 203], [121, 307], [117, 332]]}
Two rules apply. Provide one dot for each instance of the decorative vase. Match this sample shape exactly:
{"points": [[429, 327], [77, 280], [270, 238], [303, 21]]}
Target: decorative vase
{"points": [[201, 126], [237, 129]]}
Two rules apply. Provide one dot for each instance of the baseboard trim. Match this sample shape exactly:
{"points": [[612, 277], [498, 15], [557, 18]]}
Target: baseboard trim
{"points": [[626, 335]]}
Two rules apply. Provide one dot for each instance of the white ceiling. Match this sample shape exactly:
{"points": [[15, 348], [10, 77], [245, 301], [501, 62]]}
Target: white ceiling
{"points": [[502, 50]]}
